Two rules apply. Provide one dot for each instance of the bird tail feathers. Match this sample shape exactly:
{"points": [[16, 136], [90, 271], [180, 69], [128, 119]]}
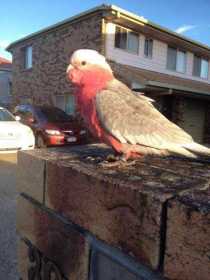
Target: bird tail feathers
{"points": [[181, 151], [198, 149]]}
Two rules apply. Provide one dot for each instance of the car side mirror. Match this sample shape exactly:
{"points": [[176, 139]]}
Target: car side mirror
{"points": [[17, 118]]}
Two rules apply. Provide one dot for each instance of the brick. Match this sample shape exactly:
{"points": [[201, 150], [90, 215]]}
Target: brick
{"points": [[120, 203], [57, 241], [188, 243], [23, 260], [51, 53], [30, 175], [31, 169]]}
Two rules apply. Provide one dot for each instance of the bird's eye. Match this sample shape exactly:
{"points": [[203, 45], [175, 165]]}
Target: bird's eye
{"points": [[83, 62]]}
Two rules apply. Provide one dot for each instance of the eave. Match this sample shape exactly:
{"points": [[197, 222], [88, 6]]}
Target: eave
{"points": [[123, 17]]}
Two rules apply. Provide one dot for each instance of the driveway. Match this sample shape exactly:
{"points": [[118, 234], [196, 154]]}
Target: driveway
{"points": [[8, 238]]}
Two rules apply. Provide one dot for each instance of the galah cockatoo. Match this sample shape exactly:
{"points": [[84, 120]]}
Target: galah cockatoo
{"points": [[127, 122]]}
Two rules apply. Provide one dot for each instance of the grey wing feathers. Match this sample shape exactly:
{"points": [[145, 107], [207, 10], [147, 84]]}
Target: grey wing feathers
{"points": [[133, 119]]}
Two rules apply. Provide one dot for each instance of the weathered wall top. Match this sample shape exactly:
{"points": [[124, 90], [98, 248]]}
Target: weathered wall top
{"points": [[147, 209]]}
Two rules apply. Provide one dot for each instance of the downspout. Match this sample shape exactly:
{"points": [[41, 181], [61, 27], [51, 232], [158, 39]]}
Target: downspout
{"points": [[103, 37]]}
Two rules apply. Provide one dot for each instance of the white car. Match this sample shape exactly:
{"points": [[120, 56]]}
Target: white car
{"points": [[14, 135]]}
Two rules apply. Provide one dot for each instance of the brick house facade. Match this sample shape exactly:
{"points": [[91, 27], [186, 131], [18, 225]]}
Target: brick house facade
{"points": [[181, 96], [51, 51]]}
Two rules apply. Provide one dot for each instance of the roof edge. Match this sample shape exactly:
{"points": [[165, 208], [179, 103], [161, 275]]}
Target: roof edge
{"points": [[159, 27], [102, 7], [105, 7], [177, 87]]}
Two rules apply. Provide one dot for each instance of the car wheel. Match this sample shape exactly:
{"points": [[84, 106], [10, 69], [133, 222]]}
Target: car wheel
{"points": [[40, 142]]}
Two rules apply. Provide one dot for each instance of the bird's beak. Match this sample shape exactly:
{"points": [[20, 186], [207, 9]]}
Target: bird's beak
{"points": [[69, 68]]}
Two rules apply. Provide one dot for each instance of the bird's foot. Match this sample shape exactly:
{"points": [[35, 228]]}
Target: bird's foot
{"points": [[112, 158], [130, 155], [127, 161]]}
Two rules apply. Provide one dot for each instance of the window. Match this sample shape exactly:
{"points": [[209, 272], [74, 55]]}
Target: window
{"points": [[5, 116], [181, 62], [126, 40], [60, 102], [200, 67], [70, 104], [148, 46], [28, 53], [66, 103], [176, 60], [54, 114]]}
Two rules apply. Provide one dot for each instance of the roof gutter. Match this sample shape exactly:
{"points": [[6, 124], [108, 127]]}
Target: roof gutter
{"points": [[139, 19], [59, 24], [177, 87], [115, 11]]}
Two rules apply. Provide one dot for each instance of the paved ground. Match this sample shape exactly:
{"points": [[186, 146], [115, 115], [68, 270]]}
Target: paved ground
{"points": [[8, 238]]}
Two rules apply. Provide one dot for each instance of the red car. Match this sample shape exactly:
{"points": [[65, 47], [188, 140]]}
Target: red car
{"points": [[51, 125]]}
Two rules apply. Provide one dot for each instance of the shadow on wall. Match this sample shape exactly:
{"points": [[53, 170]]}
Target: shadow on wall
{"points": [[8, 164]]}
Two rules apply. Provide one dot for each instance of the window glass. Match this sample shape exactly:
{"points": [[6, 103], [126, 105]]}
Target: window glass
{"points": [[120, 37], [133, 42], [204, 69], [176, 60], [54, 114], [171, 59], [126, 40], [5, 116], [148, 47], [66, 103], [60, 102], [70, 104], [28, 57], [196, 66], [181, 62], [200, 67]]}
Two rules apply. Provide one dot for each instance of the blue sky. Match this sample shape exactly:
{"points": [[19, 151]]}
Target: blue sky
{"points": [[20, 18]]}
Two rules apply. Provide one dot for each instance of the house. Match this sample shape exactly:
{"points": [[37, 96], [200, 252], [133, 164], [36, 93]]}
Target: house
{"points": [[172, 69], [5, 82]]}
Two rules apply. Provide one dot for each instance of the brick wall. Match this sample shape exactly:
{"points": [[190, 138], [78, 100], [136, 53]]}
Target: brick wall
{"points": [[51, 52], [155, 213]]}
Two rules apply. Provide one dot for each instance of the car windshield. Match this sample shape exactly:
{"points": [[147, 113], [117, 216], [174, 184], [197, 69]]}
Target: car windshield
{"points": [[54, 114], [6, 116]]}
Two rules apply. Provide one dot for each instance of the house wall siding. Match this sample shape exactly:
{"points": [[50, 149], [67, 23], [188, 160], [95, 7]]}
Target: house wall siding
{"points": [[158, 61], [51, 53]]}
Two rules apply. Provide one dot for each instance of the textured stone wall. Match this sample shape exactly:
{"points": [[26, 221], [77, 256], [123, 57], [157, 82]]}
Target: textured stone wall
{"points": [[154, 211], [51, 53], [188, 243]]}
